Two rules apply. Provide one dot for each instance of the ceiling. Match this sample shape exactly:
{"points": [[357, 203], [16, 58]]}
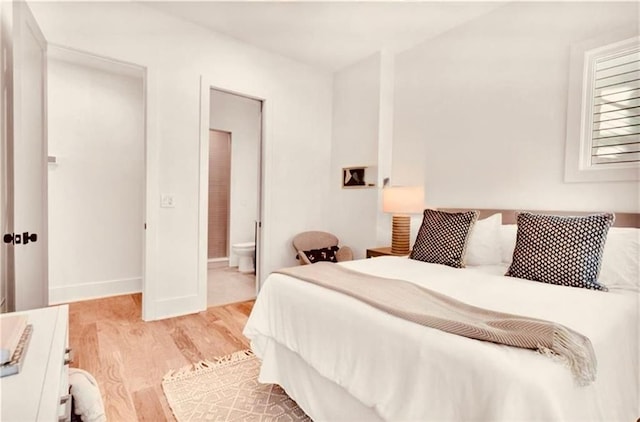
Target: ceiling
{"points": [[328, 34]]}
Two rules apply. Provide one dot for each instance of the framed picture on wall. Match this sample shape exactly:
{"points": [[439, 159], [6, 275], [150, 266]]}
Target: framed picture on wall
{"points": [[353, 177]]}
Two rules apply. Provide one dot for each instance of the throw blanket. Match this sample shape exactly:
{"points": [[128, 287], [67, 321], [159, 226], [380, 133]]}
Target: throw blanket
{"points": [[432, 309]]}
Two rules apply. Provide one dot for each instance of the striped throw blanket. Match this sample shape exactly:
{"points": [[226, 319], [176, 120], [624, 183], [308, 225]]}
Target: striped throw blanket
{"points": [[432, 309]]}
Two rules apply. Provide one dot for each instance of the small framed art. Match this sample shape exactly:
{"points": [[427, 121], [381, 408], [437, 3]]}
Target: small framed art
{"points": [[353, 177]]}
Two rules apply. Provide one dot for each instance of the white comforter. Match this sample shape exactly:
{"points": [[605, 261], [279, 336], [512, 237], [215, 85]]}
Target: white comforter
{"points": [[407, 372]]}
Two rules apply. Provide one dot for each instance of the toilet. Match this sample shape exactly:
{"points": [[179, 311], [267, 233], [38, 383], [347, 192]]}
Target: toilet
{"points": [[245, 253]]}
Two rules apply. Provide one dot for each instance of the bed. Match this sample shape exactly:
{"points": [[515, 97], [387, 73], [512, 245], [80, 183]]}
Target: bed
{"points": [[342, 359]]}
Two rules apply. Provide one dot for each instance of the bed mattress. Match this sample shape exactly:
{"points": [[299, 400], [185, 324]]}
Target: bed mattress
{"points": [[401, 371]]}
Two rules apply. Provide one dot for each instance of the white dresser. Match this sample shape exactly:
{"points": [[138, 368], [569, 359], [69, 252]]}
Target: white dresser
{"points": [[40, 392]]}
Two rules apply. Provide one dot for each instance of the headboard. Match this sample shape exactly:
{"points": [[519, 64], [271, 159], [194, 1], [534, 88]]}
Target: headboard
{"points": [[623, 219]]}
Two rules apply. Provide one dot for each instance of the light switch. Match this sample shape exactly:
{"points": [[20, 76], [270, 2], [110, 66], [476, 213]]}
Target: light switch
{"points": [[167, 200]]}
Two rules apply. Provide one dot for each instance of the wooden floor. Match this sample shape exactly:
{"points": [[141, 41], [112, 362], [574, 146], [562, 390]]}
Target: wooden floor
{"points": [[129, 357]]}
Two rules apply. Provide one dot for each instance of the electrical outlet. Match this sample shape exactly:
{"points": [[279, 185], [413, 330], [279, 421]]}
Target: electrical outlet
{"points": [[167, 200]]}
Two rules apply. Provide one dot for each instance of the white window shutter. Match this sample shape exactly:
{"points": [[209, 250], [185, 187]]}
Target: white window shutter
{"points": [[616, 109]]}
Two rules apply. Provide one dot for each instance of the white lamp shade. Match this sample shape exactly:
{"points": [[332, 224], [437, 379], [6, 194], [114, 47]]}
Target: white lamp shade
{"points": [[403, 199]]}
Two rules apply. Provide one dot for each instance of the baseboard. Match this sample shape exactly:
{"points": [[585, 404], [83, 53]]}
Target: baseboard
{"points": [[215, 262], [94, 290]]}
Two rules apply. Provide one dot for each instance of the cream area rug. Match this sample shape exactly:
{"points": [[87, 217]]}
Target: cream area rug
{"points": [[227, 389]]}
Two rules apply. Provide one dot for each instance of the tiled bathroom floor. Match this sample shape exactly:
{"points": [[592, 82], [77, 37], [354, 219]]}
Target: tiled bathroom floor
{"points": [[227, 285]]}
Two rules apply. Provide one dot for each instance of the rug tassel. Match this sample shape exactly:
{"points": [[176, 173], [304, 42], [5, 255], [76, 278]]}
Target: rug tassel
{"points": [[204, 365]]}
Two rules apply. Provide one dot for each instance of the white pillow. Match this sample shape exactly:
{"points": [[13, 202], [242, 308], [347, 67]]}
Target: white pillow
{"points": [[483, 246], [508, 236], [621, 260]]}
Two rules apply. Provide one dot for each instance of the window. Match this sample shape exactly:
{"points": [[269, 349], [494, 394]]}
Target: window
{"points": [[603, 124], [615, 106]]}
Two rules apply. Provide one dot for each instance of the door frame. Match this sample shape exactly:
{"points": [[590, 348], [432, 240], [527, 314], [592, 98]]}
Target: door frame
{"points": [[206, 85]]}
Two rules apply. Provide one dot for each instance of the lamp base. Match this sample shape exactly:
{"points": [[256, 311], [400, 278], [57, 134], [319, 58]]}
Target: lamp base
{"points": [[400, 233]]}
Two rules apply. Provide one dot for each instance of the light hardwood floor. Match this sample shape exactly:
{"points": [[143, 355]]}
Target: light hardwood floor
{"points": [[129, 357]]}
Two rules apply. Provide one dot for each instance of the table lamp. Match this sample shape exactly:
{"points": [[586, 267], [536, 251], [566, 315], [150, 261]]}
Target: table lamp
{"points": [[402, 201]]}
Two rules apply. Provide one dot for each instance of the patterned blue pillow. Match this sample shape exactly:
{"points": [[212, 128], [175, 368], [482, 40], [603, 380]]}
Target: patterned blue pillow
{"points": [[443, 236], [560, 250]]}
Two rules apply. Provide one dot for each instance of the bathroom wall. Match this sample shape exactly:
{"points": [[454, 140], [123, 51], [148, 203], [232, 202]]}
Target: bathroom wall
{"points": [[96, 190], [240, 116], [219, 193]]}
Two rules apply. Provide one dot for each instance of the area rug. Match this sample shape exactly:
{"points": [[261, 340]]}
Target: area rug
{"points": [[227, 389]]}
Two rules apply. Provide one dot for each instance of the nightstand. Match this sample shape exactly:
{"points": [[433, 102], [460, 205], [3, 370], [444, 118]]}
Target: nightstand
{"points": [[385, 251]]}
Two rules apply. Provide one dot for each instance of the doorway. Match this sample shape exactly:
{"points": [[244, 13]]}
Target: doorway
{"points": [[234, 196], [25, 164], [96, 176]]}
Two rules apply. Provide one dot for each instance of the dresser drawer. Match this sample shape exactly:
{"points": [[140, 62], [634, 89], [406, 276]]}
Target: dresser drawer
{"points": [[34, 393]]}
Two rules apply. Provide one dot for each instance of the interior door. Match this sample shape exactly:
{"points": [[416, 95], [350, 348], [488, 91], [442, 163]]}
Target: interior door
{"points": [[28, 236], [261, 189], [6, 131]]}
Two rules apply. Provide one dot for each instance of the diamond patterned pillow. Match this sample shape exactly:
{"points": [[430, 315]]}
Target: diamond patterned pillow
{"points": [[442, 238], [560, 250]]}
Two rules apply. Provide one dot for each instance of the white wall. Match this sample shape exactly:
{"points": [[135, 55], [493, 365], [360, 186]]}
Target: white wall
{"points": [[96, 133], [176, 53], [356, 93], [480, 112], [240, 116], [362, 135], [385, 142]]}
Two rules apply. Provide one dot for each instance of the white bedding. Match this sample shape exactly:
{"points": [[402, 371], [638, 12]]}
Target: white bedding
{"points": [[404, 371]]}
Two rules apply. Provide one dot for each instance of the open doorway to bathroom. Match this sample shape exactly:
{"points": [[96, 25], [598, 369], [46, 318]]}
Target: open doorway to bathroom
{"points": [[235, 132]]}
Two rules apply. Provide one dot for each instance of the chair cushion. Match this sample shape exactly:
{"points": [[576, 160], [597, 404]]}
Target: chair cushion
{"points": [[322, 254]]}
